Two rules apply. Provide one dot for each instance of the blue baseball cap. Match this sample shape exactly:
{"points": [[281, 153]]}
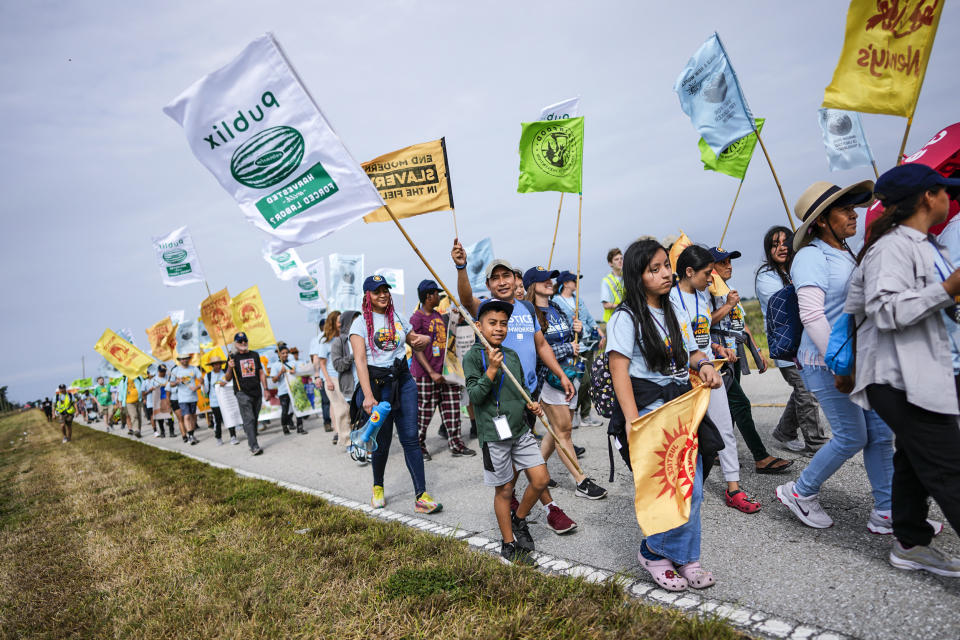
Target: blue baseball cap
{"points": [[492, 304], [240, 336], [374, 282], [719, 255], [538, 274], [566, 276], [427, 286], [906, 180]]}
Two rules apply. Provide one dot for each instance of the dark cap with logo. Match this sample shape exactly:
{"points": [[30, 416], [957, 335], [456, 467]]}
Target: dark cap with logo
{"points": [[566, 276], [719, 255], [492, 304], [906, 180], [426, 286], [240, 336], [374, 282], [538, 274]]}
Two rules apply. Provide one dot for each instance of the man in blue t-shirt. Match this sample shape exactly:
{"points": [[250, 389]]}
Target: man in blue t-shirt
{"points": [[524, 336]]}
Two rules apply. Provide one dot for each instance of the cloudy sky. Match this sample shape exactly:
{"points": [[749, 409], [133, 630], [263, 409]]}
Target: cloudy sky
{"points": [[92, 168]]}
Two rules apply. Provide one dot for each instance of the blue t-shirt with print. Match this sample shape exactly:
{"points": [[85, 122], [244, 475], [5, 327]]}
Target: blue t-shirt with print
{"points": [[697, 307], [384, 350], [520, 337], [820, 265]]}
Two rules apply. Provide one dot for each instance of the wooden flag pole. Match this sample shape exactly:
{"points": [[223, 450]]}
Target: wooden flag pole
{"points": [[555, 229], [730, 215], [456, 231], [483, 341], [576, 307], [903, 143], [786, 207], [873, 163]]}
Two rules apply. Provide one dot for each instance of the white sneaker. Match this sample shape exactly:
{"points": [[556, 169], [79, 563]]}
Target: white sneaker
{"points": [[233, 440], [219, 442], [806, 508], [591, 422], [156, 434], [882, 524], [65, 441], [924, 558]]}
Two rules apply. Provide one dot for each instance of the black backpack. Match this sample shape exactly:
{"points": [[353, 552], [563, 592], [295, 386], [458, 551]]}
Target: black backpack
{"points": [[601, 386]]}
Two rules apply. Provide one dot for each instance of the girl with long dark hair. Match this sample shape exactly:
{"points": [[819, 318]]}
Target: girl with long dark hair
{"points": [[903, 297], [802, 413], [693, 270], [651, 348], [377, 337]]}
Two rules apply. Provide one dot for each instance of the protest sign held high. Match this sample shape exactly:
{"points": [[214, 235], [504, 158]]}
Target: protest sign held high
{"points": [[551, 156], [122, 355], [844, 140], [346, 281], [311, 287], [286, 265], [177, 258], [250, 316], [253, 124], [217, 315], [188, 338], [413, 180], [735, 159], [162, 339]]}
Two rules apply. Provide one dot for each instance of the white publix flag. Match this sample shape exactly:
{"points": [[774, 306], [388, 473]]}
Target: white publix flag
{"points": [[286, 264], [346, 281], [394, 278], [253, 124], [562, 110], [177, 258], [844, 139], [311, 287]]}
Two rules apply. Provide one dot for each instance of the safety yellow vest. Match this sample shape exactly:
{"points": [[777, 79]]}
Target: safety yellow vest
{"points": [[616, 288], [65, 404]]}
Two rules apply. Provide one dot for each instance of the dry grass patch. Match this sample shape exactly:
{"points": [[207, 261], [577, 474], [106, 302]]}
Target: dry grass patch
{"points": [[106, 537]]}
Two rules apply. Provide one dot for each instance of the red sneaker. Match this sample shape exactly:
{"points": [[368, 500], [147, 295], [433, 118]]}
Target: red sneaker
{"points": [[558, 521], [741, 501]]}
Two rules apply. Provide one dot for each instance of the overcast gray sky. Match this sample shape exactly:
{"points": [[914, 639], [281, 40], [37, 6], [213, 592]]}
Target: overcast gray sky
{"points": [[92, 168]]}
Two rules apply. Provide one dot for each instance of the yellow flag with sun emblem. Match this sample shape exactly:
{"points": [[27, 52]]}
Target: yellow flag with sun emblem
{"points": [[250, 316], [128, 360], [663, 454]]}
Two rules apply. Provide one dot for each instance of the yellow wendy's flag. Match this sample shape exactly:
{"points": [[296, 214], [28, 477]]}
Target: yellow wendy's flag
{"points": [[250, 316], [663, 454], [412, 180], [162, 339], [128, 360], [217, 317], [884, 57]]}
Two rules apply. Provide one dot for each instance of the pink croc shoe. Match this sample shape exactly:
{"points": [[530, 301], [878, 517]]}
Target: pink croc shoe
{"points": [[696, 576], [664, 573]]}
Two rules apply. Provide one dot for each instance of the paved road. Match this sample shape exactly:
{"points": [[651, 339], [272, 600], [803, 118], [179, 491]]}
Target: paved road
{"points": [[836, 578]]}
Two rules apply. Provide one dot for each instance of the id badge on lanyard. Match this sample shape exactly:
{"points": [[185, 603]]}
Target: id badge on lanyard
{"points": [[500, 422]]}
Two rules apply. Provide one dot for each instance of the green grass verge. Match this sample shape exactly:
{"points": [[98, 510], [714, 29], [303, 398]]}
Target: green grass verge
{"points": [[107, 537]]}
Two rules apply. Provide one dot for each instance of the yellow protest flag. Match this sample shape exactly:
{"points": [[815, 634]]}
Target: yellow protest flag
{"points": [[412, 180], [250, 316], [217, 353], [677, 248], [218, 317], [884, 57], [127, 359], [162, 339], [663, 454]]}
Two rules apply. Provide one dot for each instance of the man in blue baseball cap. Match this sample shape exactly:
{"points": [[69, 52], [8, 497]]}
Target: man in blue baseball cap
{"points": [[246, 372], [433, 390]]}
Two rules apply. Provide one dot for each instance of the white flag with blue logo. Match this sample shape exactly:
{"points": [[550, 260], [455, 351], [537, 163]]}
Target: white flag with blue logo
{"points": [[346, 281], [286, 265], [479, 255], [394, 278], [710, 94], [562, 110], [312, 285], [844, 139]]}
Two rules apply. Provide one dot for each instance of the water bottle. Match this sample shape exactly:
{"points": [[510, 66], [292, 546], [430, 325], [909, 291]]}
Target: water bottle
{"points": [[363, 441]]}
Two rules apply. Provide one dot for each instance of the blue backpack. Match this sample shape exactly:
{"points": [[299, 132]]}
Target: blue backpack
{"points": [[841, 356], [783, 325]]}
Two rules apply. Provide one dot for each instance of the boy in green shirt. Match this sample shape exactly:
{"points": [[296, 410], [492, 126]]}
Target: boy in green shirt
{"points": [[507, 444]]}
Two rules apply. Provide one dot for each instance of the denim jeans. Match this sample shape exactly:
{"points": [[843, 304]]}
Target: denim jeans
{"points": [[682, 544], [403, 415], [853, 430]]}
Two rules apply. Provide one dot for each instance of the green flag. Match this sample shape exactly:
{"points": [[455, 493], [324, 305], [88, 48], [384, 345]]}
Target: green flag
{"points": [[551, 156], [733, 160], [82, 383]]}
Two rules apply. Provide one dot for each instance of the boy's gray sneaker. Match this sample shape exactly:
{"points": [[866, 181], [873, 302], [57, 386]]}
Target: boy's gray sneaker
{"points": [[796, 444], [924, 558], [806, 508]]}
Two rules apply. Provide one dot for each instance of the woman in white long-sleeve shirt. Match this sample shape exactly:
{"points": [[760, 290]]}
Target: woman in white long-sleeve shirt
{"points": [[908, 357], [821, 273]]}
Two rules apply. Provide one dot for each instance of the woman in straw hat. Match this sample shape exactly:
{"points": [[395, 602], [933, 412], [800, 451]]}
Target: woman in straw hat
{"points": [[903, 296], [821, 273]]}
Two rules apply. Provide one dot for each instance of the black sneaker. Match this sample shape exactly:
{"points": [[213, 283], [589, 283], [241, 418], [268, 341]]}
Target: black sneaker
{"points": [[162, 435], [336, 438], [257, 451], [521, 533], [462, 451], [185, 438], [473, 429], [591, 490], [426, 454], [552, 484], [301, 430], [579, 451], [286, 431], [442, 431], [511, 553]]}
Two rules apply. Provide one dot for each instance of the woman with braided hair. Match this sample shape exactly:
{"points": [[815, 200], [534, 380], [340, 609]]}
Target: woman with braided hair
{"points": [[377, 337]]}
